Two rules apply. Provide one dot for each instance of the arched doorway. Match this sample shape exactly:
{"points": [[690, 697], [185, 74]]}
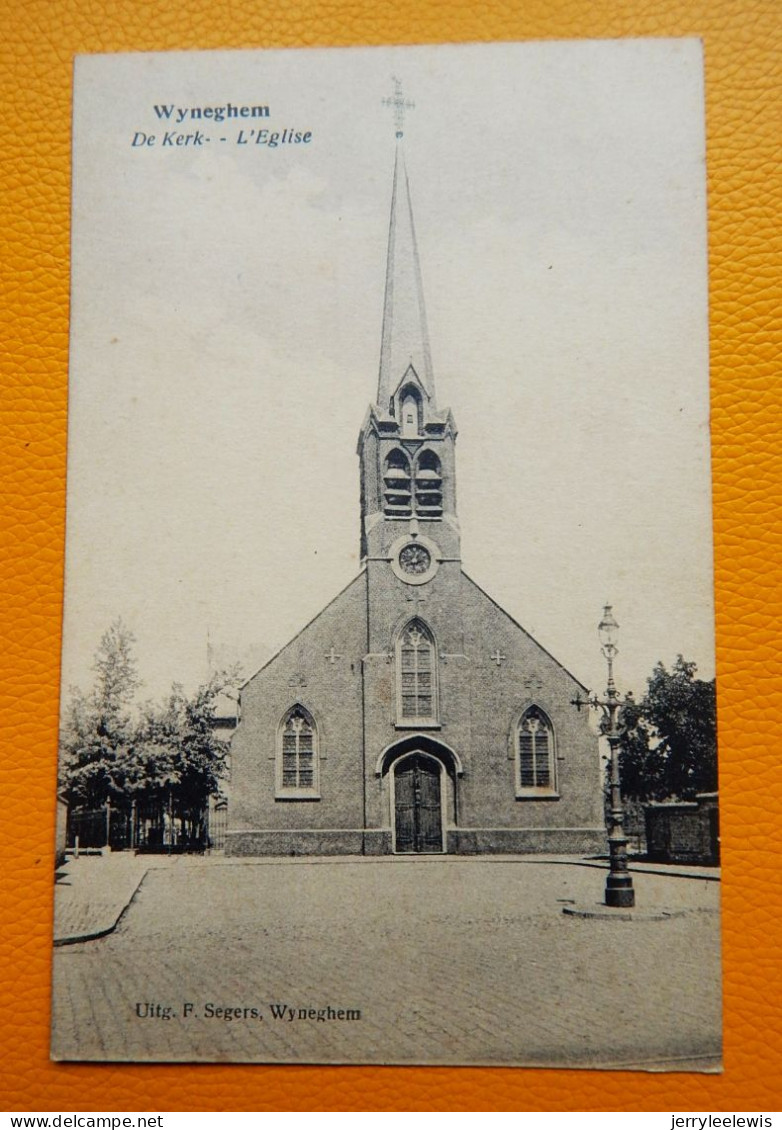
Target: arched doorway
{"points": [[418, 804]]}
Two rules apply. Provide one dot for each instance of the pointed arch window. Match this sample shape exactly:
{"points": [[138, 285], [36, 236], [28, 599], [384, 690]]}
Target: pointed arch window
{"points": [[416, 676], [410, 411], [297, 756], [397, 483], [428, 486], [535, 761]]}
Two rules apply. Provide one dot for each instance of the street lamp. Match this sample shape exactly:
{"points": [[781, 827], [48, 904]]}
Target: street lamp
{"points": [[619, 884]]}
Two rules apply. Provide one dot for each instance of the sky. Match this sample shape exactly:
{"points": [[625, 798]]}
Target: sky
{"points": [[226, 316]]}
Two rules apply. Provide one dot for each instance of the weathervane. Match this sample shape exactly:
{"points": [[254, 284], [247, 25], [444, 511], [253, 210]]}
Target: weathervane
{"points": [[399, 104]]}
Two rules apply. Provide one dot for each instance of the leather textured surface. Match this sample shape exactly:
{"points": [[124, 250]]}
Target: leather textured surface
{"points": [[743, 48]]}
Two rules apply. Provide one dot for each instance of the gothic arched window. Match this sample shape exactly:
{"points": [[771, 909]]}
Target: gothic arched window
{"points": [[297, 755], [416, 675], [398, 494], [428, 486], [534, 753]]}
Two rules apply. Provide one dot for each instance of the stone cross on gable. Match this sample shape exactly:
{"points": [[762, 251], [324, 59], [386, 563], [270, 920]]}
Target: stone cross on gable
{"points": [[415, 598], [332, 655], [498, 657], [399, 104]]}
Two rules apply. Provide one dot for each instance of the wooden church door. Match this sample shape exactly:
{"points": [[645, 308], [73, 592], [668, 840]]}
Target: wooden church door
{"points": [[418, 812]]}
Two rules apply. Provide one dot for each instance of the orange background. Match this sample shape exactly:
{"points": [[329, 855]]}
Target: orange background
{"points": [[743, 49]]}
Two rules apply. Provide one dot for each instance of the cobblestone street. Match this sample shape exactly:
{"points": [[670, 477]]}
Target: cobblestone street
{"points": [[449, 960]]}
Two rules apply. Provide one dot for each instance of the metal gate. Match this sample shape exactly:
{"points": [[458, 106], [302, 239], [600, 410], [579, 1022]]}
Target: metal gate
{"points": [[146, 825], [108, 826], [218, 825]]}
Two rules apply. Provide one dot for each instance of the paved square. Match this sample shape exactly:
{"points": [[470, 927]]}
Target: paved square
{"points": [[447, 960]]}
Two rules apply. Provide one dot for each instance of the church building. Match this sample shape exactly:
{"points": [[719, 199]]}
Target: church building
{"points": [[412, 715]]}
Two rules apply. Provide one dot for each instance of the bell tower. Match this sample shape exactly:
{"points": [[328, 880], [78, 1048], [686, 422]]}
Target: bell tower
{"points": [[406, 445]]}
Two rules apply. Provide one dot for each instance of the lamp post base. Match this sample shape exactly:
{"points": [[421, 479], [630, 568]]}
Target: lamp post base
{"points": [[619, 891]]}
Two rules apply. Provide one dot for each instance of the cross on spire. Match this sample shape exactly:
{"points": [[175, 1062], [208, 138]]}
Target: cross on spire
{"points": [[399, 104]]}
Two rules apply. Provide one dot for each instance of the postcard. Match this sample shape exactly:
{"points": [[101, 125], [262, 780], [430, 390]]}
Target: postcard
{"points": [[356, 766]]}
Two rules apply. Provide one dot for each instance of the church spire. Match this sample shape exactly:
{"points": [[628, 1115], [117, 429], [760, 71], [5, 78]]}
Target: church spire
{"points": [[405, 339], [406, 444]]}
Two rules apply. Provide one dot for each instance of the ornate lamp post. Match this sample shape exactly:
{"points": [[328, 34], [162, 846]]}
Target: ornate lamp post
{"points": [[619, 884]]}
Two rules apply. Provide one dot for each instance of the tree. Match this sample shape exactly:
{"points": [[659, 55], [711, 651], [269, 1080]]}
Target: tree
{"points": [[177, 759], [164, 757], [97, 732], [669, 747]]}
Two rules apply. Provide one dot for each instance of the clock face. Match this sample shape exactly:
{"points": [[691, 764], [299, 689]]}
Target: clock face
{"points": [[414, 559]]}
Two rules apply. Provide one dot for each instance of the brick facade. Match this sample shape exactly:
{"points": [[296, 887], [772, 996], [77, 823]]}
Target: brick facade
{"points": [[352, 700]]}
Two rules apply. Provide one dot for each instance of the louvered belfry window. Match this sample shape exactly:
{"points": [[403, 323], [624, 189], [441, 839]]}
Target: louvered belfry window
{"points": [[397, 486], [298, 751], [407, 492], [417, 673], [535, 750], [428, 486]]}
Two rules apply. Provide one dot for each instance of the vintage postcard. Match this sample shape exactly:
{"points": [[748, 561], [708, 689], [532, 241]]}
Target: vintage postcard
{"points": [[370, 753]]}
